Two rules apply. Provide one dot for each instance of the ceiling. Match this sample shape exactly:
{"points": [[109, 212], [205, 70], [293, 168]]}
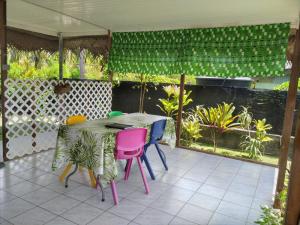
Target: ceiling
{"points": [[96, 17]]}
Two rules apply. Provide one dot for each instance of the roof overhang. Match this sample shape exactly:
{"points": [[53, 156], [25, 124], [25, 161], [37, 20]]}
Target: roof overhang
{"points": [[96, 17]]}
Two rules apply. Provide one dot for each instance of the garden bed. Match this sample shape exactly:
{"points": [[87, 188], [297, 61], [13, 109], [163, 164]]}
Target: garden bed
{"points": [[232, 153]]}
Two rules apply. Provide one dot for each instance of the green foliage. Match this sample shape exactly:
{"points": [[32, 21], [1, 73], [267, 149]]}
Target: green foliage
{"points": [[270, 216], [220, 119], [191, 128], [255, 146], [285, 86], [156, 79], [245, 118], [261, 130], [44, 65], [170, 105]]}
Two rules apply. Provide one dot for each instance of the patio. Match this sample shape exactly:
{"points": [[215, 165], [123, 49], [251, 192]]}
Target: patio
{"points": [[199, 188]]}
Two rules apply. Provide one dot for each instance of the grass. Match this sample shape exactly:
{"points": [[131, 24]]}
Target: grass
{"points": [[233, 153]]}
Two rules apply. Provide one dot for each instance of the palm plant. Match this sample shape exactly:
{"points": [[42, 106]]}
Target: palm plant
{"points": [[219, 119]]}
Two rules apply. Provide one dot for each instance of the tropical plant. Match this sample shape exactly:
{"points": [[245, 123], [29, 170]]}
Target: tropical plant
{"points": [[191, 128], [170, 105], [270, 216], [285, 86], [255, 146], [245, 119], [261, 130], [219, 119]]}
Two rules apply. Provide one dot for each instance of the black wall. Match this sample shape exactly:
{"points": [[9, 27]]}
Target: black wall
{"points": [[262, 103]]}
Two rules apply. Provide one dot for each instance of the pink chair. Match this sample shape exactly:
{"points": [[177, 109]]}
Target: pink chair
{"points": [[129, 145]]}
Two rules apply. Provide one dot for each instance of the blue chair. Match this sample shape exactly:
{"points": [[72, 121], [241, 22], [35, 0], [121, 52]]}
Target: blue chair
{"points": [[156, 134]]}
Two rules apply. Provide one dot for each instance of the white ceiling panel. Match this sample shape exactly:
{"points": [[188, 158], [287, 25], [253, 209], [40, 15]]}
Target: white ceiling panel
{"points": [[31, 17], [88, 17]]}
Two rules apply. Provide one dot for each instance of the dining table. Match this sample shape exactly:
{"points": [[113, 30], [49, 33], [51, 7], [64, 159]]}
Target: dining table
{"points": [[91, 144]]}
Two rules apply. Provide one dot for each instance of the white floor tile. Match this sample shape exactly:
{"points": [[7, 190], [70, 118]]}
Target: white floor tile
{"points": [[109, 219], [195, 214], [127, 209], [40, 196], [14, 208], [60, 204], [153, 216], [82, 214], [35, 216]]}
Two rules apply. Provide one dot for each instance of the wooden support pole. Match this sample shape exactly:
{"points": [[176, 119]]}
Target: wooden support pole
{"points": [[109, 44], [288, 119], [293, 201], [180, 106], [61, 55], [4, 69]]}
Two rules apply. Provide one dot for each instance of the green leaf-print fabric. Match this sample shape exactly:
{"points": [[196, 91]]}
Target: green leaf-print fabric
{"points": [[91, 144], [225, 52]]}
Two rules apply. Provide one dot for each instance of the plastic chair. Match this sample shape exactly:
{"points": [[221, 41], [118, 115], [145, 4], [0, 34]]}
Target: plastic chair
{"points": [[129, 145], [114, 114], [156, 134], [72, 120]]}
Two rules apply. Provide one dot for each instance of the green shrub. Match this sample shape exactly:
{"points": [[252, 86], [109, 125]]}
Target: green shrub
{"points": [[220, 119], [191, 129], [270, 216], [170, 105], [255, 146]]}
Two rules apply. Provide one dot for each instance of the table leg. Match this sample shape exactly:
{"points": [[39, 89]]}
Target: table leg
{"points": [[101, 187], [67, 178]]}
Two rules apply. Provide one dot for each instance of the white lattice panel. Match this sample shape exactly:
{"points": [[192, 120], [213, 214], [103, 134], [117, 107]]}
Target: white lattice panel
{"points": [[34, 111]]}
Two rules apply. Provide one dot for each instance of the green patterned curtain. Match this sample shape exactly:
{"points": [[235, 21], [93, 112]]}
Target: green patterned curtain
{"points": [[225, 52]]}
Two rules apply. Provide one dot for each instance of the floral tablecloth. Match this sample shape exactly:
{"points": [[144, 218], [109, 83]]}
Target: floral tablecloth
{"points": [[91, 144]]}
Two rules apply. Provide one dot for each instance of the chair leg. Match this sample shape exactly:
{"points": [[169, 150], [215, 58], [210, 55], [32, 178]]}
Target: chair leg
{"points": [[65, 172], [127, 161], [67, 178], [127, 172], [145, 150], [98, 182], [149, 168], [92, 178], [162, 156], [143, 175], [114, 192]]}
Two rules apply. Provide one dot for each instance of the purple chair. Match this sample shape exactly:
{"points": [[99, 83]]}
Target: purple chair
{"points": [[129, 145]]}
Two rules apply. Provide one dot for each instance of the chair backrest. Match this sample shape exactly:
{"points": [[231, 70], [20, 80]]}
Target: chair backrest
{"points": [[130, 142], [76, 119], [157, 130], [114, 114]]}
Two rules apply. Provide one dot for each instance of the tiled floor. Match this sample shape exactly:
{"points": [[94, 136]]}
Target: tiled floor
{"points": [[198, 189]]}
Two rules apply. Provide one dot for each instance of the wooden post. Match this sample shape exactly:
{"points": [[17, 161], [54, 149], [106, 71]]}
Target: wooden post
{"points": [[180, 106], [4, 69], [109, 44], [288, 119], [293, 201], [61, 55]]}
